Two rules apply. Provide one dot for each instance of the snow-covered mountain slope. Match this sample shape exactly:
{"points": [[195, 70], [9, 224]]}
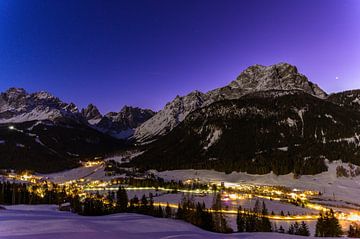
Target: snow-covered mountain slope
{"points": [[279, 131], [255, 78], [16, 106], [122, 124]]}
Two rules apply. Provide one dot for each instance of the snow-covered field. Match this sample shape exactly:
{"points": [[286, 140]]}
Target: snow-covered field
{"points": [[332, 187], [93, 173], [45, 222]]}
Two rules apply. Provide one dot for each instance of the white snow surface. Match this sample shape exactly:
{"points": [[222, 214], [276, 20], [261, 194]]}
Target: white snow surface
{"points": [[213, 137], [283, 149], [94, 121], [94, 173], [291, 122], [45, 222], [340, 188], [35, 114], [19, 106], [356, 100]]}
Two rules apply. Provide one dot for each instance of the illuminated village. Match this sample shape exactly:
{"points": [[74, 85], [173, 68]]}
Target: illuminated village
{"points": [[231, 194]]}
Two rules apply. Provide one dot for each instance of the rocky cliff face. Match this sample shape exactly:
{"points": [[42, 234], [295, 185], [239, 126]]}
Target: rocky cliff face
{"points": [[91, 114]]}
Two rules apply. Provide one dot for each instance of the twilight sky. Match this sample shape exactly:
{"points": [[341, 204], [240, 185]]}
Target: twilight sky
{"points": [[145, 52]]}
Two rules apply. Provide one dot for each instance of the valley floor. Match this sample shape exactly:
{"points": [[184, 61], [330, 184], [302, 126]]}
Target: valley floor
{"points": [[336, 190], [44, 222]]}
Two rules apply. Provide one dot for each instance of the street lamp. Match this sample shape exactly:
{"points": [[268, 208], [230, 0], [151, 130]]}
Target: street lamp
{"points": [[11, 127]]}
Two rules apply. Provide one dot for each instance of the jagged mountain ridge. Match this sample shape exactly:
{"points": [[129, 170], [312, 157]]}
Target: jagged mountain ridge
{"points": [[16, 105], [92, 114], [279, 131], [123, 123], [280, 76]]}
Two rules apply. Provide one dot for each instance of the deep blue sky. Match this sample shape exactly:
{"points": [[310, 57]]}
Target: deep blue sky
{"points": [[144, 53]]}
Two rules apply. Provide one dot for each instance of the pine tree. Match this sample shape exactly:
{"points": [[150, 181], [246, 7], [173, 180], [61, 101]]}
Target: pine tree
{"points": [[76, 205], [264, 210], [144, 204], [151, 204], [240, 220], [220, 224], [168, 211], [179, 212], [257, 207], [159, 212], [121, 200], [328, 225], [251, 222], [296, 228], [303, 230], [291, 230], [264, 225], [134, 203]]}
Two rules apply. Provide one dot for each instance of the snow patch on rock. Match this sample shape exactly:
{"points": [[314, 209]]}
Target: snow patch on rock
{"points": [[213, 137]]}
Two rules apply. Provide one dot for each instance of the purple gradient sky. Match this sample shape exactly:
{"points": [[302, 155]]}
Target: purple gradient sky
{"points": [[144, 53]]}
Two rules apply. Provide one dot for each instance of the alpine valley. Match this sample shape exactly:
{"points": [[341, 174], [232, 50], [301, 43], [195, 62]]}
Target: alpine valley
{"points": [[271, 118]]}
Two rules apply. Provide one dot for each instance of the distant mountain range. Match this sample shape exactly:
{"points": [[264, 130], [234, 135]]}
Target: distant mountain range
{"points": [[40, 132], [18, 106], [271, 118]]}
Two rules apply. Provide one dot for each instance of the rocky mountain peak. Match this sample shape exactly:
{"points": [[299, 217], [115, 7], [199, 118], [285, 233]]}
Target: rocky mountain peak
{"points": [[13, 90], [256, 78], [129, 111], [14, 93], [122, 124], [282, 76], [44, 95], [91, 113], [72, 108]]}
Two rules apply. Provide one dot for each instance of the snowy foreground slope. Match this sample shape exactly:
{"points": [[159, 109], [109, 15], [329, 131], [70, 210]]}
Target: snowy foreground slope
{"points": [[43, 222]]}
